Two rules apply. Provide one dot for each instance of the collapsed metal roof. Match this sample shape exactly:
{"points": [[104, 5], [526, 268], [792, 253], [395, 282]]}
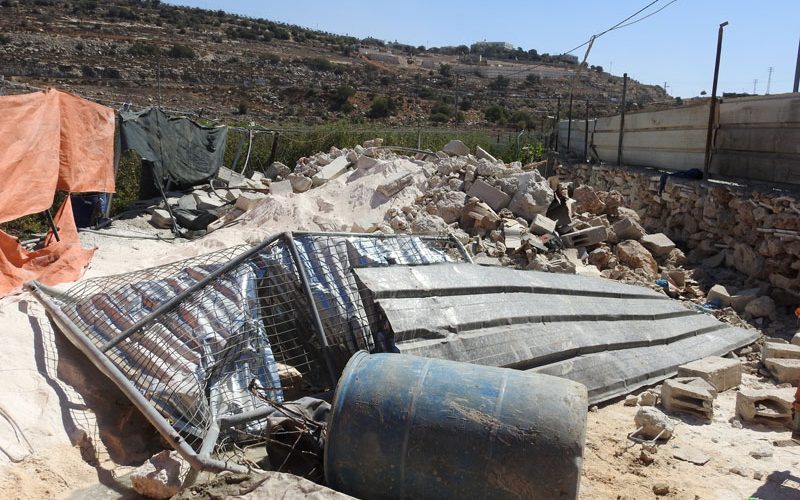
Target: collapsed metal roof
{"points": [[610, 336]]}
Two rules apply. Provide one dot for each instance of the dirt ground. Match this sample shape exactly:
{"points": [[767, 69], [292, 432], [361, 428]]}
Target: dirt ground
{"points": [[614, 468]]}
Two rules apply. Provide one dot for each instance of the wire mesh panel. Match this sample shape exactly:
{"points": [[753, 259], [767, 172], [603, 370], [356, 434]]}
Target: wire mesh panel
{"points": [[194, 337]]}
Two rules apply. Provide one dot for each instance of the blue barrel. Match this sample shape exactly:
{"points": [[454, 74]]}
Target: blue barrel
{"points": [[403, 426]]}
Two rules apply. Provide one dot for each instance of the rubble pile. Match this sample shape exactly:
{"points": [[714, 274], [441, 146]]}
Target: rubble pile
{"points": [[509, 214]]}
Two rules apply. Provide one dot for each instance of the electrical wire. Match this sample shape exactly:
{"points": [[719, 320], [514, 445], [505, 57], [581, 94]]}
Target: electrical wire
{"points": [[619, 25]]}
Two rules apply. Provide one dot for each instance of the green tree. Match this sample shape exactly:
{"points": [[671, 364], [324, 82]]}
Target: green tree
{"points": [[382, 107]]}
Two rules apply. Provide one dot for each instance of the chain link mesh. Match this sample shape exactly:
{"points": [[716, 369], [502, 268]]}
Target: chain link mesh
{"points": [[252, 322]]}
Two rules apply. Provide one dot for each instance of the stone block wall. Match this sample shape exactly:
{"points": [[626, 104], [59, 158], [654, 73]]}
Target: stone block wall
{"points": [[757, 229]]}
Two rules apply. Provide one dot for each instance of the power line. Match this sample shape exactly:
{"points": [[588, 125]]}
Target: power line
{"points": [[648, 15], [616, 26]]}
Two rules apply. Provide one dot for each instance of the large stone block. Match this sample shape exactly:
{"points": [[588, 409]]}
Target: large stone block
{"points": [[542, 225], [782, 351], [489, 194], [766, 406], [722, 373], [628, 229], [395, 183], [632, 254], [331, 171], [585, 237], [456, 148], [248, 200], [658, 244], [784, 370], [204, 201], [689, 394]]}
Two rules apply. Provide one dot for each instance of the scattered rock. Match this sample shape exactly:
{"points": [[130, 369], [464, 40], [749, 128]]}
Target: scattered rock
{"points": [[456, 148], [653, 422], [661, 489], [763, 451], [689, 454], [159, 477], [762, 307], [635, 256], [300, 183], [658, 244], [631, 400]]}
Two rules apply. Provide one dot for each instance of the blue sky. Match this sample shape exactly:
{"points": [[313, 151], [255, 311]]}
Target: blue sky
{"points": [[676, 45]]}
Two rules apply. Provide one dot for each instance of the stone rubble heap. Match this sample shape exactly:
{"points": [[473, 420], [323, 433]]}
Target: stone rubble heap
{"points": [[512, 215]]}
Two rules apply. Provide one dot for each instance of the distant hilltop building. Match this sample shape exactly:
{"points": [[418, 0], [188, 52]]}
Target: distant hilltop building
{"points": [[568, 58], [478, 46]]}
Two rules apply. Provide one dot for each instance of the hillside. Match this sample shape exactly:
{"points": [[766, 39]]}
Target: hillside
{"points": [[241, 69]]}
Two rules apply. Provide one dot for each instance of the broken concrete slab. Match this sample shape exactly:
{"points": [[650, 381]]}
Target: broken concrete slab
{"points": [[249, 200], [187, 202], [513, 231], [766, 406], [482, 153], [634, 255], [719, 294], [367, 162], [330, 171], [781, 351], [204, 201], [395, 183], [722, 373], [761, 307], [585, 237], [300, 183], [232, 179], [456, 148], [652, 423], [689, 394], [231, 194], [742, 298], [658, 244], [533, 196], [160, 218], [784, 370], [281, 188], [489, 194], [628, 229], [541, 224]]}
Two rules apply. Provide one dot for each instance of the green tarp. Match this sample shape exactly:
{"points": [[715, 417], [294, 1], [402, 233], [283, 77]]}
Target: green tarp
{"points": [[179, 150]]}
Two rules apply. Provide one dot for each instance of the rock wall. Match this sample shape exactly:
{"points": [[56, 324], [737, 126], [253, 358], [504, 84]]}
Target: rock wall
{"points": [[756, 230]]}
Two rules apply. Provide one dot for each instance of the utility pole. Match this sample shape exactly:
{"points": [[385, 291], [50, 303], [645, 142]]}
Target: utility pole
{"points": [[557, 127], [797, 70], [586, 133], [665, 87], [713, 106], [622, 118], [569, 122], [769, 79], [755, 82]]}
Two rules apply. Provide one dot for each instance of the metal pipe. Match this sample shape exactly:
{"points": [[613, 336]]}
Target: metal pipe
{"points": [[797, 70], [712, 112], [622, 118], [110, 370], [586, 133], [248, 416], [462, 249], [52, 223], [174, 301], [312, 304]]}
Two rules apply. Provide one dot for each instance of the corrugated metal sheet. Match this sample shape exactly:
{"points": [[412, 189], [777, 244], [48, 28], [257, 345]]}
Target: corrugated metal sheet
{"points": [[607, 335]]}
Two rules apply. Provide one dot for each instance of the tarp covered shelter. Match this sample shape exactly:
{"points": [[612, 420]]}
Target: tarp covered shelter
{"points": [[50, 141], [179, 152]]}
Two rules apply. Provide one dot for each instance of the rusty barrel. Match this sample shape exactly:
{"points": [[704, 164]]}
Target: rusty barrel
{"points": [[403, 426]]}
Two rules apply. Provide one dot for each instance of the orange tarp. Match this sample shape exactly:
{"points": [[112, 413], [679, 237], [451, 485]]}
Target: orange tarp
{"points": [[52, 140], [57, 262]]}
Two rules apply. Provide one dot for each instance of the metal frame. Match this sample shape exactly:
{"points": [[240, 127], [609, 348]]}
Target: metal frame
{"points": [[201, 459]]}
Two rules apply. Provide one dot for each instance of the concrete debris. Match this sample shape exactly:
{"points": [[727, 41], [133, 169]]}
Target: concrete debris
{"points": [[160, 218], [587, 200], [456, 148], [277, 171], [281, 188], [636, 256], [395, 183], [648, 398], [205, 201], [784, 370], [761, 307], [541, 224], [689, 394], [533, 196], [658, 244], [248, 200], [482, 154], [330, 171], [373, 143], [653, 423], [492, 196], [188, 202], [765, 406], [159, 477], [722, 373], [631, 400], [627, 228], [300, 183], [585, 237]]}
